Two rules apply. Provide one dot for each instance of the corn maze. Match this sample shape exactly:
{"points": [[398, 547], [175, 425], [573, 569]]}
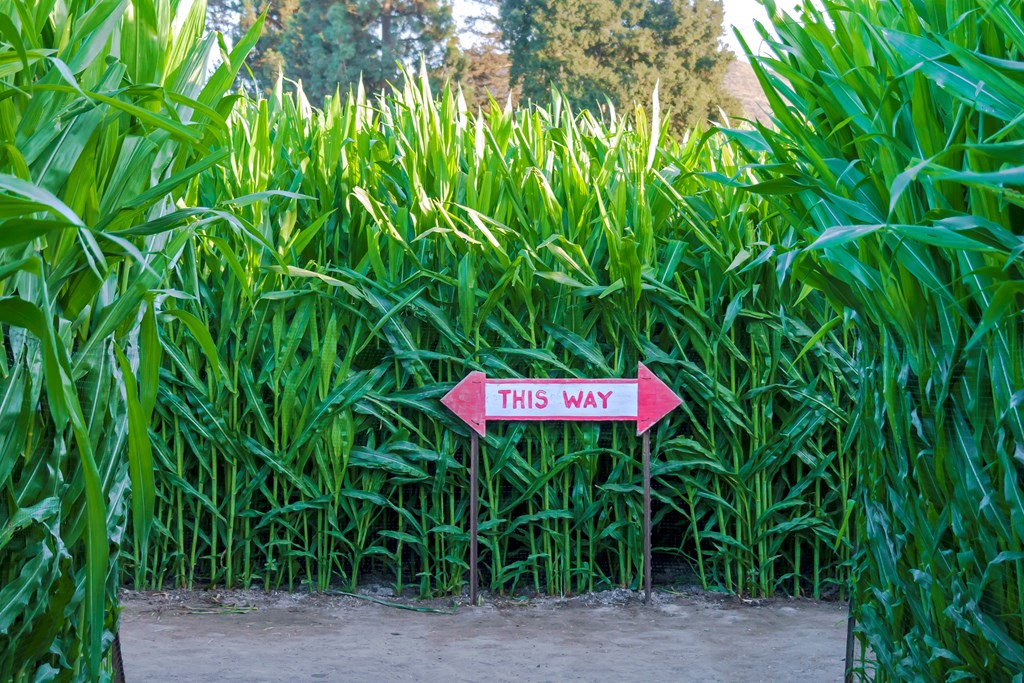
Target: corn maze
{"points": [[227, 323]]}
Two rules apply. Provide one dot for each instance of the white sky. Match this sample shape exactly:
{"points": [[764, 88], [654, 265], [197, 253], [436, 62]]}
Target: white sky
{"points": [[740, 13], [743, 14]]}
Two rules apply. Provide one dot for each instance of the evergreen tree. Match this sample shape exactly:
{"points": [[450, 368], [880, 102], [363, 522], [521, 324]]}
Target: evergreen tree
{"points": [[600, 50], [330, 45]]}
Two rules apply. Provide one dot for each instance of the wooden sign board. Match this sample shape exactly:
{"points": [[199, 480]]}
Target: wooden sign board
{"points": [[644, 400], [477, 399]]}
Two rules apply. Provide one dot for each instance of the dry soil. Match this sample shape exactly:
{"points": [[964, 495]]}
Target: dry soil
{"points": [[250, 636]]}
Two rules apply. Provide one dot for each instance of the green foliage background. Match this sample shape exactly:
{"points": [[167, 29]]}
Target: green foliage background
{"points": [[303, 441]]}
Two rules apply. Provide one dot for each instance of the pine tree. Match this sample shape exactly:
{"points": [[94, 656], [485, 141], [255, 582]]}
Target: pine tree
{"points": [[330, 45], [596, 51]]}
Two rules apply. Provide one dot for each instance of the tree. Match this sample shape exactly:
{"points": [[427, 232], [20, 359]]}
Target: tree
{"points": [[597, 51], [485, 71], [266, 61], [332, 44], [226, 16], [484, 67]]}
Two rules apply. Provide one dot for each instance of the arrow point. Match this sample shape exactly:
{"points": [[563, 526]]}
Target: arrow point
{"points": [[466, 399], [655, 399]]}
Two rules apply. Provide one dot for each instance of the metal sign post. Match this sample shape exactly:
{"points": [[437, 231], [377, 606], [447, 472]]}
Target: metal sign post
{"points": [[477, 399], [647, 517], [474, 457]]}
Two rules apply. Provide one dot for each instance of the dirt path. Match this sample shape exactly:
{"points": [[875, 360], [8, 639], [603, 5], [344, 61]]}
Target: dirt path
{"points": [[604, 637]]}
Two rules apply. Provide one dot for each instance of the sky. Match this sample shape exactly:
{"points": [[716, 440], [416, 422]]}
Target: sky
{"points": [[740, 13], [743, 14]]}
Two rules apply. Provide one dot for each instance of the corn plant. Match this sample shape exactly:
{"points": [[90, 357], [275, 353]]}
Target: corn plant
{"points": [[107, 117], [380, 248], [897, 158]]}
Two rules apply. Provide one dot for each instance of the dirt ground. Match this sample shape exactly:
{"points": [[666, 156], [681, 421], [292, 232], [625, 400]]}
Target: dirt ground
{"points": [[251, 636]]}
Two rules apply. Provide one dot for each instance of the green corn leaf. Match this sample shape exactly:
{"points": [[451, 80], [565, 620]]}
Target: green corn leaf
{"points": [[140, 459]]}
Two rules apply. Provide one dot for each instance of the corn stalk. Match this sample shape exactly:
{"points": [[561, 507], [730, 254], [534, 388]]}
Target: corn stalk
{"points": [[897, 157], [107, 118], [381, 248]]}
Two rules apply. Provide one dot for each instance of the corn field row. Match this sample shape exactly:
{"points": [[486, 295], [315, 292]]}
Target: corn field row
{"points": [[912, 208], [379, 250], [103, 129]]}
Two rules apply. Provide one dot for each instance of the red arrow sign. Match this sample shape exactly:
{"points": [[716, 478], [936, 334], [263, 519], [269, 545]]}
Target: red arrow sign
{"points": [[645, 399]]}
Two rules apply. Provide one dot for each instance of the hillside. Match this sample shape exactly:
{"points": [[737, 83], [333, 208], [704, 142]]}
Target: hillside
{"points": [[741, 83]]}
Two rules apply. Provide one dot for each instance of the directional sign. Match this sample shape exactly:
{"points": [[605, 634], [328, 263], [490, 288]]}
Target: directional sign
{"points": [[477, 399]]}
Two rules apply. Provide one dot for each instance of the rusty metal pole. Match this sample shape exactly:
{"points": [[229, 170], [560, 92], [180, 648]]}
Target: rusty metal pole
{"points": [[474, 450], [851, 624], [647, 517], [116, 659]]}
